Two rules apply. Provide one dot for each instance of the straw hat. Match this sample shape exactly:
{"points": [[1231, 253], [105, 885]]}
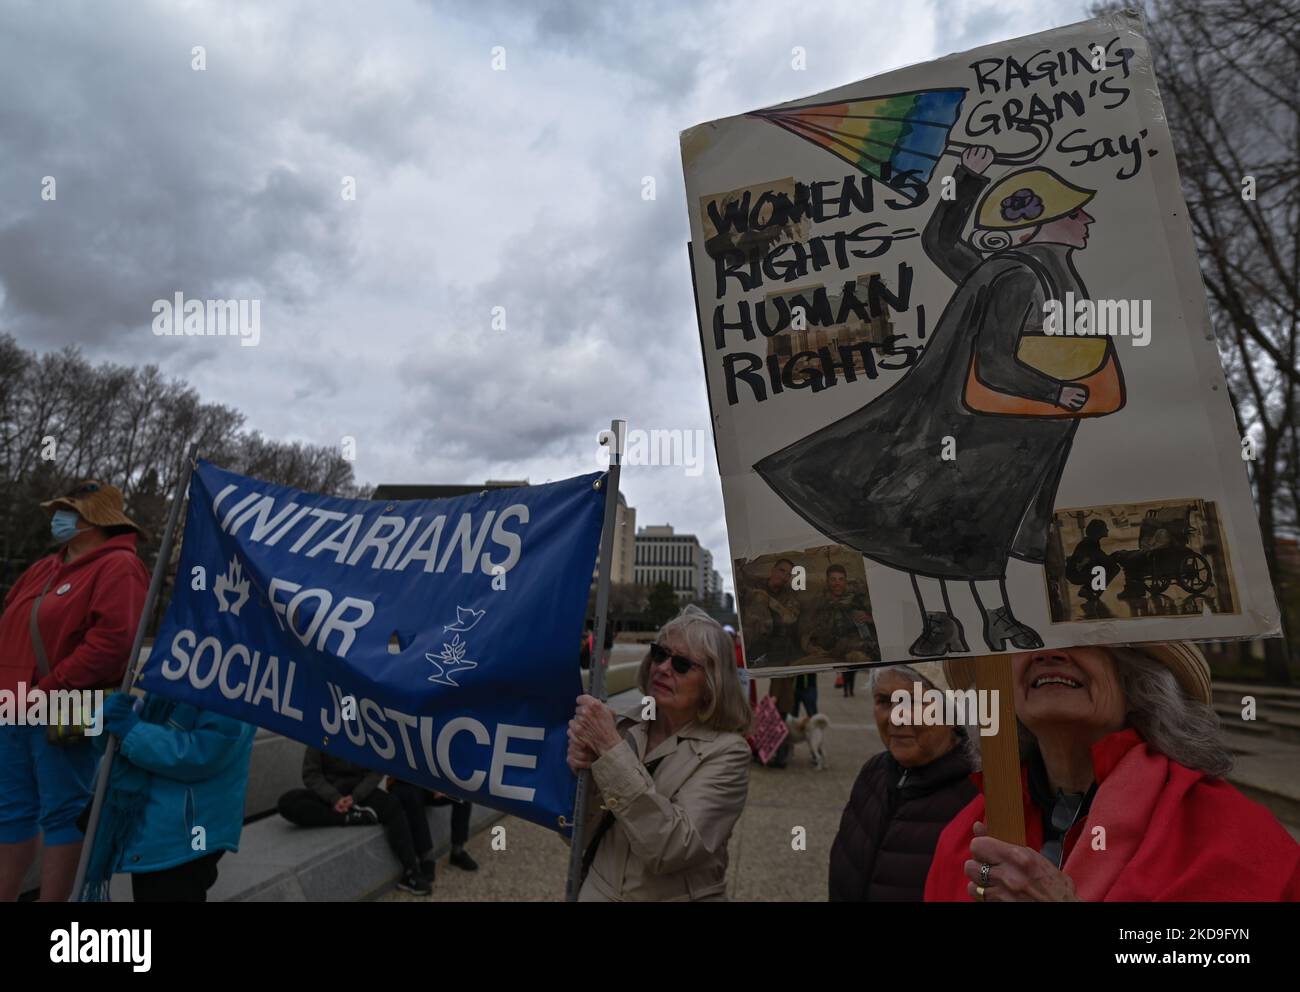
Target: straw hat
{"points": [[1028, 198], [96, 503], [1183, 658]]}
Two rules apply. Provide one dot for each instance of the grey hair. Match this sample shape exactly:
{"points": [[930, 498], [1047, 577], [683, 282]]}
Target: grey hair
{"points": [[1172, 723], [965, 745], [725, 707]]}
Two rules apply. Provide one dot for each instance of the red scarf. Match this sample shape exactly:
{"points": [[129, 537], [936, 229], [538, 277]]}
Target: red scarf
{"points": [[1156, 832]]}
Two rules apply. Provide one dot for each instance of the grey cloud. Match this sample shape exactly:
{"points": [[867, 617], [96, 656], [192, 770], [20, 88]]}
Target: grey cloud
{"points": [[165, 183], [228, 181], [660, 45]]}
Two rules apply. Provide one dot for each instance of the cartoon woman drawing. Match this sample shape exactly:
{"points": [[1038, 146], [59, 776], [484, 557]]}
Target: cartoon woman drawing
{"points": [[992, 392]]}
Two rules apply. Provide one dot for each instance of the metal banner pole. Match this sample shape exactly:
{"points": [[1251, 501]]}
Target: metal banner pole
{"points": [[128, 679], [615, 438]]}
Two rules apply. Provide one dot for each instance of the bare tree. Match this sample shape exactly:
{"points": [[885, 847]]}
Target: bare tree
{"points": [[63, 420], [1229, 76]]}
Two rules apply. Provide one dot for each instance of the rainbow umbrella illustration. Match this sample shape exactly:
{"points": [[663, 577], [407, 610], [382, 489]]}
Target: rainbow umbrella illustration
{"points": [[896, 139]]}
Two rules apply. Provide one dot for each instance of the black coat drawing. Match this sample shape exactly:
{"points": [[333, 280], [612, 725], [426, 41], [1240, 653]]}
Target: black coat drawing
{"points": [[874, 480]]}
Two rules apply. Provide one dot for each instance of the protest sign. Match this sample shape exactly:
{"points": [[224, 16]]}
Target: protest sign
{"points": [[770, 730], [964, 388], [435, 640]]}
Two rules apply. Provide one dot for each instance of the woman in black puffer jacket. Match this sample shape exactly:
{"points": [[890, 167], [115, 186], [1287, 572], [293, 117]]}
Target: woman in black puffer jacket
{"points": [[903, 798]]}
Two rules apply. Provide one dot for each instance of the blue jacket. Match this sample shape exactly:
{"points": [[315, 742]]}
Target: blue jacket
{"points": [[198, 762]]}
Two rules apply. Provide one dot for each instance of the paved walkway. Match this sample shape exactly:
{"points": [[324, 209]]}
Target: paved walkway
{"points": [[764, 866]]}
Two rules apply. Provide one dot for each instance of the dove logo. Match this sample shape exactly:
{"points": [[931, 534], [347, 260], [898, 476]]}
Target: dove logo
{"points": [[466, 620], [231, 589]]}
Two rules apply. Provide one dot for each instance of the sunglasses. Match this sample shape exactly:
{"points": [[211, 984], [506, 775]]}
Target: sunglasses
{"points": [[681, 664], [86, 490]]}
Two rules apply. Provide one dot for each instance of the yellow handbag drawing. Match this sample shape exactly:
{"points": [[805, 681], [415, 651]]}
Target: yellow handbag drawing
{"points": [[1080, 361]]}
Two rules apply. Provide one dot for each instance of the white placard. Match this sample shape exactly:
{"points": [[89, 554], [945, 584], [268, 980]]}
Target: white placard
{"points": [[961, 372]]}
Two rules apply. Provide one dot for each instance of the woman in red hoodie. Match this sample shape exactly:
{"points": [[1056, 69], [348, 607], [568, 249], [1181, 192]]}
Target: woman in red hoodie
{"points": [[68, 623], [1123, 790]]}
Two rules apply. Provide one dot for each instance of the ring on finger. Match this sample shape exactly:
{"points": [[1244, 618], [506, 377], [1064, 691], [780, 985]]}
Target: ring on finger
{"points": [[979, 893], [985, 868]]}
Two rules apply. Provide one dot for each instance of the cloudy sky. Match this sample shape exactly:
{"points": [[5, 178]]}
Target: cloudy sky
{"points": [[522, 188]]}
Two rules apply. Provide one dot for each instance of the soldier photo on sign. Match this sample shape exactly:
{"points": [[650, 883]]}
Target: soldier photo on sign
{"points": [[808, 607]]}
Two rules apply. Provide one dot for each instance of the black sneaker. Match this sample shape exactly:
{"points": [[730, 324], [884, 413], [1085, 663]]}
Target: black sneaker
{"points": [[412, 881], [360, 816], [461, 859], [428, 870]]}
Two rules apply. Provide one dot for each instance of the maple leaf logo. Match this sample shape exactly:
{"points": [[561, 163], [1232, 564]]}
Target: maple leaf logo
{"points": [[231, 583], [450, 661]]}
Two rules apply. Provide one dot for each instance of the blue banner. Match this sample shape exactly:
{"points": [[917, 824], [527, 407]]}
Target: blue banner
{"points": [[436, 640]]}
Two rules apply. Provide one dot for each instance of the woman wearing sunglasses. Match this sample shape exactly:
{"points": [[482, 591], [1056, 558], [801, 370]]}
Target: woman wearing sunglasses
{"points": [[1124, 791], [68, 623], [671, 777]]}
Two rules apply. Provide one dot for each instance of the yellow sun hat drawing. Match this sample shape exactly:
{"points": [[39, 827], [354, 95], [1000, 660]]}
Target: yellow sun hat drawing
{"points": [[1028, 198]]}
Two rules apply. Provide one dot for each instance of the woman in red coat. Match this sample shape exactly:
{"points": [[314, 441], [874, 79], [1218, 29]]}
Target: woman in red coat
{"points": [[68, 623], [1124, 792]]}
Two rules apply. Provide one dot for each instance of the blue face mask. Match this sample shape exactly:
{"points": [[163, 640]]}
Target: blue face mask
{"points": [[63, 525]]}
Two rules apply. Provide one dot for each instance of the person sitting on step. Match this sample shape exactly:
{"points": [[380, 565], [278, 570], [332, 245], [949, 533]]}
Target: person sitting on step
{"points": [[339, 793]]}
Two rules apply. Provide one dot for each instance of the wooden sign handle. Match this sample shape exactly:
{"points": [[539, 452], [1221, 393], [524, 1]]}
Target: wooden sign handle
{"points": [[1004, 814]]}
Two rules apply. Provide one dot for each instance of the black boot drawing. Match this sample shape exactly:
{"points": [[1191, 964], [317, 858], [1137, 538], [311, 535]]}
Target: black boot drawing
{"points": [[942, 635], [1000, 626]]}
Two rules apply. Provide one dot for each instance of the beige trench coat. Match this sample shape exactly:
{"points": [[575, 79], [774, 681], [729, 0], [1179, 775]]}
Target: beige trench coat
{"points": [[669, 838]]}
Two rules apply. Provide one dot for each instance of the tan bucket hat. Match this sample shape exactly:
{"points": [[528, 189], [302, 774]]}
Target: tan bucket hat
{"points": [[95, 502], [1183, 658]]}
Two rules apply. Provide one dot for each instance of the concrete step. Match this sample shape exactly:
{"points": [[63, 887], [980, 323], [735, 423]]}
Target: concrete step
{"points": [[1263, 707], [1286, 728], [1281, 723], [278, 862], [274, 768], [1231, 719], [1232, 692], [1266, 771]]}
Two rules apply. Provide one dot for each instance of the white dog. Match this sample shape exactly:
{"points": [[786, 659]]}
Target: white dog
{"points": [[811, 729]]}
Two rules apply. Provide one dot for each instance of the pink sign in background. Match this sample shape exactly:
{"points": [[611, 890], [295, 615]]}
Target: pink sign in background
{"points": [[769, 729]]}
